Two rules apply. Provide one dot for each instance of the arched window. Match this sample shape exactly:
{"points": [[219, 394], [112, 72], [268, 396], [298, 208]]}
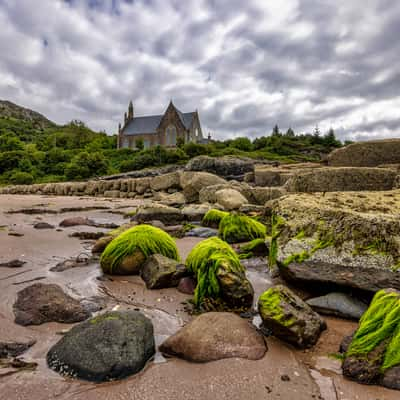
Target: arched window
{"points": [[170, 135]]}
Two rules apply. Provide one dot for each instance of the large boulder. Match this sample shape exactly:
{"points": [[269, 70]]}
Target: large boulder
{"points": [[263, 194], [221, 279], [158, 212], [193, 182], [349, 239], [195, 212], [40, 303], [366, 154], [373, 353], [160, 272], [228, 167], [108, 347], [215, 336], [290, 318], [166, 181], [208, 194], [127, 253], [230, 199], [341, 179]]}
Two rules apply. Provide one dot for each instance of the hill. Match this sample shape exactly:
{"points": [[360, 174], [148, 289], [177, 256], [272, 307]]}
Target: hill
{"points": [[35, 149], [9, 110]]}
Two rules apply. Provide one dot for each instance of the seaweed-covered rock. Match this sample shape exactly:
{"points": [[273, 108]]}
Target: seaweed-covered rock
{"points": [[373, 355], [213, 217], [220, 276], [339, 304], [127, 253], [255, 248], [230, 199], [235, 228], [162, 272], [215, 336], [290, 318], [108, 347], [40, 303]]}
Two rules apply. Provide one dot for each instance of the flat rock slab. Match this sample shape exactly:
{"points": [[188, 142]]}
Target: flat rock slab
{"points": [[214, 336], [339, 304], [12, 264], [40, 303], [202, 232], [43, 225], [110, 346]]}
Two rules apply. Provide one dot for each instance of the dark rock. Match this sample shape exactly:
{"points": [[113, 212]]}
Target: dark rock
{"points": [[345, 343], [215, 336], [75, 221], [43, 225], [110, 346], [339, 304], [285, 378], [13, 264], [318, 272], [187, 285], [16, 234], [101, 244], [289, 317], [391, 378], [71, 263], [87, 235], [14, 349], [202, 232], [160, 272], [40, 303]]}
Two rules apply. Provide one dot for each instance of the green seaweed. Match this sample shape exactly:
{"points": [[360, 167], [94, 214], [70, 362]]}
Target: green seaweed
{"points": [[235, 228], [204, 261], [277, 222], [297, 257], [253, 247], [148, 239], [270, 302], [381, 322], [213, 217]]}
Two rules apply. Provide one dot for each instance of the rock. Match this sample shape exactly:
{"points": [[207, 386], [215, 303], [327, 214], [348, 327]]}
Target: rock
{"points": [[366, 154], [71, 263], [290, 318], [255, 248], [167, 215], [264, 194], [187, 285], [336, 240], [111, 346], [372, 356], [341, 179], [12, 264], [202, 232], [112, 193], [208, 193], [14, 233], [228, 167], [87, 235], [230, 199], [174, 199], [43, 225], [338, 304], [195, 212], [215, 336], [40, 303], [75, 221], [14, 349], [160, 272], [166, 181], [193, 182], [101, 244], [255, 263]]}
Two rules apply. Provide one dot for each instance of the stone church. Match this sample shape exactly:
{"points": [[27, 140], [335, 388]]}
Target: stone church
{"points": [[167, 129]]}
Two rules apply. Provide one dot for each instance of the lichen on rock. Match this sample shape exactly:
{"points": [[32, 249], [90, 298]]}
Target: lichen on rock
{"points": [[127, 252]]}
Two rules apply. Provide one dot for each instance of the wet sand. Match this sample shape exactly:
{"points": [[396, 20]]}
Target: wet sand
{"points": [[313, 374]]}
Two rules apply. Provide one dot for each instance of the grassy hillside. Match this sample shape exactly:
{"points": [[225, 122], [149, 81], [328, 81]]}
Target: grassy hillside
{"points": [[34, 149]]}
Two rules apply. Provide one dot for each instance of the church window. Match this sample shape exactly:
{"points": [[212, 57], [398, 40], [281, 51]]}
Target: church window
{"points": [[171, 135]]}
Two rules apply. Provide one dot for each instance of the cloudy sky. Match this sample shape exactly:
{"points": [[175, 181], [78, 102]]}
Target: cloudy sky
{"points": [[245, 65]]}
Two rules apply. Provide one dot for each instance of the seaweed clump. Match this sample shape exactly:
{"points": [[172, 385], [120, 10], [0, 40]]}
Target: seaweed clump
{"points": [[127, 252], [235, 228], [379, 324], [205, 260], [213, 217]]}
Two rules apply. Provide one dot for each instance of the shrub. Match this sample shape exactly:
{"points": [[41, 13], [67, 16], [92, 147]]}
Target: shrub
{"points": [[21, 178]]}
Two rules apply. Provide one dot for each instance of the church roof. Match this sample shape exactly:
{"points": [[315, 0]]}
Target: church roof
{"points": [[150, 123]]}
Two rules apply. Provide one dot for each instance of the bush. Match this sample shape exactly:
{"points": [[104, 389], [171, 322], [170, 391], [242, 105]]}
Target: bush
{"points": [[85, 165], [21, 178]]}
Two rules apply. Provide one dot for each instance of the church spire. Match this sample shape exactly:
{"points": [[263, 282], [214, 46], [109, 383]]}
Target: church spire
{"points": [[130, 111]]}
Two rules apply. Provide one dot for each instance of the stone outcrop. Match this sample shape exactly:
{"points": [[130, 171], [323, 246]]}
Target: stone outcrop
{"points": [[193, 182], [347, 239], [215, 336], [366, 154], [158, 212], [341, 179], [290, 318], [228, 167], [108, 347], [230, 199]]}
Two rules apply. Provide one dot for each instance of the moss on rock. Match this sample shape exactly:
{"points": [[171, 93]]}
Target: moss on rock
{"points": [[235, 228], [129, 250], [213, 217]]}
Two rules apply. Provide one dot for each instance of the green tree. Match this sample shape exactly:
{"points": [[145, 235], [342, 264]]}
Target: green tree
{"points": [[139, 144], [85, 165], [241, 143], [275, 131]]}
